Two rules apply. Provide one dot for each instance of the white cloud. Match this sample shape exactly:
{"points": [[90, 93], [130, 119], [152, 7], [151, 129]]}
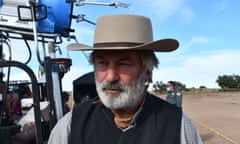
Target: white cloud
{"points": [[164, 8], [195, 45], [84, 33], [196, 40], [201, 69], [16, 74], [19, 50], [221, 6], [187, 14], [70, 76]]}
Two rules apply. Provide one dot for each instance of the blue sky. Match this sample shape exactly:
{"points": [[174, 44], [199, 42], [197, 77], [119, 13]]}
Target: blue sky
{"points": [[208, 32]]}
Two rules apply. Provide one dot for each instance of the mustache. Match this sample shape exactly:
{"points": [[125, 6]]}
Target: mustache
{"points": [[114, 85]]}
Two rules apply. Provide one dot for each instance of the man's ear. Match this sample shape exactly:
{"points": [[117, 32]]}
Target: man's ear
{"points": [[148, 78]]}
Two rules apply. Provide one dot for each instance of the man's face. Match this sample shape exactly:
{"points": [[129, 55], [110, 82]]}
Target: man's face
{"points": [[119, 78], [169, 87]]}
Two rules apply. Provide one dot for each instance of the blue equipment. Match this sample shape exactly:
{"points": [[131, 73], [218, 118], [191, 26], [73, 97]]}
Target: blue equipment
{"points": [[50, 16]]}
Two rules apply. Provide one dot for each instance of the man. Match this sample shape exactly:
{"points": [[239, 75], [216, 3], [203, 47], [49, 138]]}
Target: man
{"points": [[124, 112], [66, 107], [174, 96]]}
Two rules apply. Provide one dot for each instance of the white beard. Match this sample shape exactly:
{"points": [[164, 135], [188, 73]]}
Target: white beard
{"points": [[128, 96]]}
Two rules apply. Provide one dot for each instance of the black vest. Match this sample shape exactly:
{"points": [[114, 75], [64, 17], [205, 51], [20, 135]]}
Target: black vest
{"points": [[157, 123]]}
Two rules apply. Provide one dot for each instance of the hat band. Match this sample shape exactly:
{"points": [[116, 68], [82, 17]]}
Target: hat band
{"points": [[116, 44]]}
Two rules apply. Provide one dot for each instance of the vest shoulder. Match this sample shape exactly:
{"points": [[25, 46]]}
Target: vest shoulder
{"points": [[86, 105]]}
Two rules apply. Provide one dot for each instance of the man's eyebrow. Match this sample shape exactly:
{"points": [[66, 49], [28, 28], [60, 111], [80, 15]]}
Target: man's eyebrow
{"points": [[99, 57], [125, 58]]}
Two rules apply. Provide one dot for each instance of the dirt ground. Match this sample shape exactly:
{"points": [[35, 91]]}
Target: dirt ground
{"points": [[216, 115]]}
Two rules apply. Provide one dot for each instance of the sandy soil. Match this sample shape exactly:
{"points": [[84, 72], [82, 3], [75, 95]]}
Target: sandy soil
{"points": [[216, 115]]}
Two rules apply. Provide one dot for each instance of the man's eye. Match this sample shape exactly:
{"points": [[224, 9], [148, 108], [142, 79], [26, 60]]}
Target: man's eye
{"points": [[101, 63], [125, 64]]}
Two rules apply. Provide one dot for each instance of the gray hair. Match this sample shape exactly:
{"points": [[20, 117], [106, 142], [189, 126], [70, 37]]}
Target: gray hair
{"points": [[149, 60]]}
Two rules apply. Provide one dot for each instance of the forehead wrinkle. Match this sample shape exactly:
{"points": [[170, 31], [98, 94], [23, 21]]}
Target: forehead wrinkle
{"points": [[113, 55]]}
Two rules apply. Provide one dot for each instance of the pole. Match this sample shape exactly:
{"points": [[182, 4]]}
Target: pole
{"points": [[56, 88]]}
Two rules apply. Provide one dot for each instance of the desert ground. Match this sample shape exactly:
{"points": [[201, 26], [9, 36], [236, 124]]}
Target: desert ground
{"points": [[216, 115]]}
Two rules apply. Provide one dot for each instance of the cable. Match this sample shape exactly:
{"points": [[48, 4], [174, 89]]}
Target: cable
{"points": [[29, 51]]}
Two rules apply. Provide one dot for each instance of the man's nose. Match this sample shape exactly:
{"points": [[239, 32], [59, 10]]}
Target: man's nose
{"points": [[112, 74]]}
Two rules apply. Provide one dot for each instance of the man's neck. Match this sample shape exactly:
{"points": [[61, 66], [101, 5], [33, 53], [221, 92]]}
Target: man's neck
{"points": [[123, 117]]}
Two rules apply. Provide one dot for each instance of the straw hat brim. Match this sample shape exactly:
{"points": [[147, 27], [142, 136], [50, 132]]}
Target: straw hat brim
{"points": [[163, 45]]}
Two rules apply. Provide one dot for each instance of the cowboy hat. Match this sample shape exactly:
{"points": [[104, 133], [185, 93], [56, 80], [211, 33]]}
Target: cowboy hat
{"points": [[125, 32]]}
